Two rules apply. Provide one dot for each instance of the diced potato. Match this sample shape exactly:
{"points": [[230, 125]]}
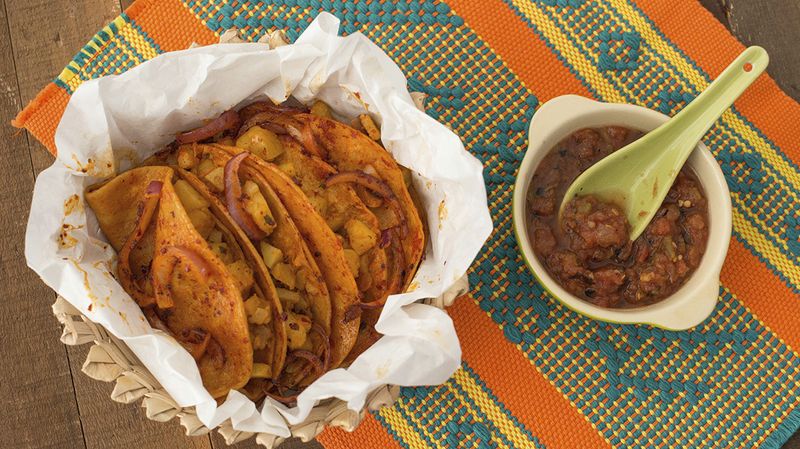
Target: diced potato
{"points": [[270, 254], [338, 210], [222, 251], [303, 283], [242, 275], [288, 296], [189, 197], [257, 207], [260, 336], [386, 217], [261, 371], [252, 304], [227, 140], [360, 236], [260, 316], [204, 167], [284, 273], [297, 327], [352, 261], [288, 169], [319, 202], [202, 220], [215, 236], [186, 158], [370, 128], [260, 142], [321, 109], [216, 178], [364, 276]]}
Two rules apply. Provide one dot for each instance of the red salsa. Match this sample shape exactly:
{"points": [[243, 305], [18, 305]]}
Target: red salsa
{"points": [[590, 254]]}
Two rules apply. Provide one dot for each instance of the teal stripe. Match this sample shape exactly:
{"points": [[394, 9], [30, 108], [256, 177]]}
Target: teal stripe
{"points": [[744, 211], [413, 424], [595, 93], [390, 430], [784, 431], [537, 443]]}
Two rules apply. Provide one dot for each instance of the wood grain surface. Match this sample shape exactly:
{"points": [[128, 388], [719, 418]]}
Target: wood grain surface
{"points": [[46, 400]]}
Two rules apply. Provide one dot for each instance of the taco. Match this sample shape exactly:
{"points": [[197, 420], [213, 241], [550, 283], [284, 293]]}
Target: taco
{"points": [[357, 187], [189, 275], [323, 245], [241, 194]]}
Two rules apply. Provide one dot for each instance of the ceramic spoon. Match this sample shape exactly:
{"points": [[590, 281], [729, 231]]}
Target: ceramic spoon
{"points": [[638, 176]]}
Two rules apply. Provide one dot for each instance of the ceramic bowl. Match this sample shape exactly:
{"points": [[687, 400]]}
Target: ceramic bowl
{"points": [[695, 300]]}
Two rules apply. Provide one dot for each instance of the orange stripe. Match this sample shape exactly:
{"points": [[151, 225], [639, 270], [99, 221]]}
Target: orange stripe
{"points": [[519, 48], [41, 116], [764, 103], [505, 369], [763, 293], [170, 24], [369, 434]]}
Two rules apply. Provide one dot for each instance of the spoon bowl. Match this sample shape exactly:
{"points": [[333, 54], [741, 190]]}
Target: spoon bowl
{"points": [[692, 302], [638, 177]]}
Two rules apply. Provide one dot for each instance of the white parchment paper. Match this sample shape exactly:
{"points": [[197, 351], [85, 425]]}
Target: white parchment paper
{"points": [[112, 123]]}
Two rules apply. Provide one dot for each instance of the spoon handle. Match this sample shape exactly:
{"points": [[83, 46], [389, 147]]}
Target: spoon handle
{"points": [[691, 123]]}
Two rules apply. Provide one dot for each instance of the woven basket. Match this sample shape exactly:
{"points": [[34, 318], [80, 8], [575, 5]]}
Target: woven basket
{"points": [[110, 360]]}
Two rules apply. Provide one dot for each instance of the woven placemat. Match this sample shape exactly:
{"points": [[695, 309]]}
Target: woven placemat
{"points": [[536, 374]]}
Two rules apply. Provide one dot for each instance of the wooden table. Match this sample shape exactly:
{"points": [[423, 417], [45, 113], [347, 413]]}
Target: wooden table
{"points": [[46, 400]]}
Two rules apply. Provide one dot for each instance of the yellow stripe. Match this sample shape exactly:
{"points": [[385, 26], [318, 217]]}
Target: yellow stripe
{"points": [[598, 81], [491, 410], [401, 427], [590, 73], [137, 41], [648, 33], [472, 411], [743, 399], [766, 248], [562, 45], [413, 417]]}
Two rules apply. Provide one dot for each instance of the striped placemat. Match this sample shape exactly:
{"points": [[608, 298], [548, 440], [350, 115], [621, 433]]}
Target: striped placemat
{"points": [[536, 374]]}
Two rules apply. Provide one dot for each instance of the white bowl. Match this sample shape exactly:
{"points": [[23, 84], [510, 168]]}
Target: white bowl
{"points": [[695, 300]]}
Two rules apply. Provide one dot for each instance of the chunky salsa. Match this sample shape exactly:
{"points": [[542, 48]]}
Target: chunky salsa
{"points": [[590, 254]]}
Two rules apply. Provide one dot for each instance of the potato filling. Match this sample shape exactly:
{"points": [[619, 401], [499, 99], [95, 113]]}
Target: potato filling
{"points": [[259, 312]]}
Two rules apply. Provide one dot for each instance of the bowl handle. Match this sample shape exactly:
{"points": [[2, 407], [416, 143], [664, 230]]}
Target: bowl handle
{"points": [[691, 314]]}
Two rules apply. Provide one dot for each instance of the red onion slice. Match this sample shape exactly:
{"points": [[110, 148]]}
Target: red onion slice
{"points": [[228, 120], [163, 266], [375, 185], [282, 122], [282, 397], [393, 286], [195, 341], [152, 195], [234, 199], [326, 348], [369, 182], [309, 357], [155, 321]]}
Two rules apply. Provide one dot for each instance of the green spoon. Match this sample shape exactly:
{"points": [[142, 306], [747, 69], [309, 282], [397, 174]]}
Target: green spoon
{"points": [[638, 176]]}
